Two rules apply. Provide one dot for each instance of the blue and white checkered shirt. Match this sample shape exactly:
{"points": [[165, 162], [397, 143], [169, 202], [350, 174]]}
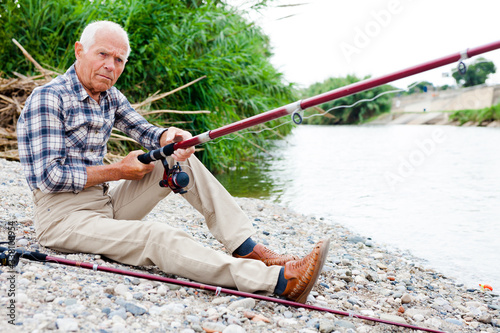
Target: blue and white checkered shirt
{"points": [[62, 130]]}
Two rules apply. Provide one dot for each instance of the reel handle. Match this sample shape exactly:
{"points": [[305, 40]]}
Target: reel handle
{"points": [[157, 154]]}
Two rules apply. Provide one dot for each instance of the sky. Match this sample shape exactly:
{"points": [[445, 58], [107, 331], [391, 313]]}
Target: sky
{"points": [[330, 38]]}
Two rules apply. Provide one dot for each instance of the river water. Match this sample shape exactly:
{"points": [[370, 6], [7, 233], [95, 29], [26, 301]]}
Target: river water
{"points": [[431, 190]]}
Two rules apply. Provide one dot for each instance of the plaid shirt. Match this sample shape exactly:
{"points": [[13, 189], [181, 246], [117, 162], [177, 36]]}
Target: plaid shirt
{"points": [[62, 130]]}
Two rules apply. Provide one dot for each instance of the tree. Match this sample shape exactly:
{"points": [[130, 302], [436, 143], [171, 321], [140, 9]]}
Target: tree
{"points": [[347, 115], [476, 73]]}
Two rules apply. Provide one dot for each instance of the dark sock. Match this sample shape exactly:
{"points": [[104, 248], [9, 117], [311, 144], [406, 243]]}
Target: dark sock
{"points": [[246, 247], [281, 285]]}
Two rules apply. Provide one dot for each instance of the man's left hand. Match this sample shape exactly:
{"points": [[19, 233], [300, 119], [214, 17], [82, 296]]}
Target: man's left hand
{"points": [[174, 134]]}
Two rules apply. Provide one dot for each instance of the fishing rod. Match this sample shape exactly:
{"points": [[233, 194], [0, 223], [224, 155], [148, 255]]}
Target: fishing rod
{"points": [[176, 179], [10, 257]]}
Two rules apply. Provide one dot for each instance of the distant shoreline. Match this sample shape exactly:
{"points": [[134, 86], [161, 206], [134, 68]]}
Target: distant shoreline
{"points": [[426, 118]]}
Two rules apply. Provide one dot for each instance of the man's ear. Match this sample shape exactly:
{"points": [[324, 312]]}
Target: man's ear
{"points": [[78, 50]]}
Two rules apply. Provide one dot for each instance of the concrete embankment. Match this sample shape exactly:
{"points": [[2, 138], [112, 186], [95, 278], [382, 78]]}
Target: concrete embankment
{"points": [[434, 107]]}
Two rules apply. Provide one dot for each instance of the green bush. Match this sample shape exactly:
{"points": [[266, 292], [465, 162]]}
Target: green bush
{"points": [[173, 42]]}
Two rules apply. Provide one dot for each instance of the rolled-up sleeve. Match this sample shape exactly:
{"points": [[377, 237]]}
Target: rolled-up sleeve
{"points": [[42, 145]]}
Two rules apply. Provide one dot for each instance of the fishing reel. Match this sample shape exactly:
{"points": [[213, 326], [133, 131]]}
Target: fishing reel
{"points": [[174, 178], [9, 257]]}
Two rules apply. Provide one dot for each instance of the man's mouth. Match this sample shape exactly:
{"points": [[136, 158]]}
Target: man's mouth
{"points": [[105, 77]]}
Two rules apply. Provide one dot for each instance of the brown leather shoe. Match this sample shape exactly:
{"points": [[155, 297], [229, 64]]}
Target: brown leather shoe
{"points": [[302, 274], [268, 257]]}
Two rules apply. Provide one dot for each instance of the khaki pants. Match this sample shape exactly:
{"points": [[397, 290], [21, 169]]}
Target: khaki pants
{"points": [[95, 221]]}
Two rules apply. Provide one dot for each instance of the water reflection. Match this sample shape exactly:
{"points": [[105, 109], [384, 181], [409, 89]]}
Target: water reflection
{"points": [[249, 183]]}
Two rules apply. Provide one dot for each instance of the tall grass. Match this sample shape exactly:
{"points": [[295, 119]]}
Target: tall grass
{"points": [[173, 42]]}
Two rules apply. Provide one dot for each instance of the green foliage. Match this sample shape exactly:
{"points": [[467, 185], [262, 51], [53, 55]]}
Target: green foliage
{"points": [[478, 116], [173, 42], [477, 73], [351, 115]]}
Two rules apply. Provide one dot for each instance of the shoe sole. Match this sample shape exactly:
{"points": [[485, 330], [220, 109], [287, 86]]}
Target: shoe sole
{"points": [[323, 254]]}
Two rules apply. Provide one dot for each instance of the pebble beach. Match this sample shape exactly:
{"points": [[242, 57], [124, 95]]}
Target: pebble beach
{"points": [[359, 277]]}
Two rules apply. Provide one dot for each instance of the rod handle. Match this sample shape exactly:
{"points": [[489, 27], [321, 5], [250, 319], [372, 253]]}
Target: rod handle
{"points": [[157, 154], [33, 255]]}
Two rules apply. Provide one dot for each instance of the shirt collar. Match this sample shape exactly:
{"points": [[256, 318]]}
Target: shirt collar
{"points": [[77, 86]]}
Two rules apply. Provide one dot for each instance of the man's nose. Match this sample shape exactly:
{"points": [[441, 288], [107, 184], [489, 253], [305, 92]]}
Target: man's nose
{"points": [[109, 64]]}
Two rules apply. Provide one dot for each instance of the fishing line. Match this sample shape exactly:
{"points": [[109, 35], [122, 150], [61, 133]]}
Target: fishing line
{"points": [[320, 114], [363, 100]]}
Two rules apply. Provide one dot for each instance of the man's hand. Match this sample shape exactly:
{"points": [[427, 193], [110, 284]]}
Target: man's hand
{"points": [[129, 168], [174, 134]]}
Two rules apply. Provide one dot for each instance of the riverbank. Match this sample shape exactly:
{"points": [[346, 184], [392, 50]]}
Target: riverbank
{"points": [[359, 276], [433, 118], [472, 106]]}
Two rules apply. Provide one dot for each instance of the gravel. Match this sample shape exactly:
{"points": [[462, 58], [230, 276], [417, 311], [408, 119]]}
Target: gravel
{"points": [[359, 277]]}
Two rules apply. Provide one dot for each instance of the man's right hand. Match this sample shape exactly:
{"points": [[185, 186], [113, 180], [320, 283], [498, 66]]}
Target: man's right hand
{"points": [[132, 169]]}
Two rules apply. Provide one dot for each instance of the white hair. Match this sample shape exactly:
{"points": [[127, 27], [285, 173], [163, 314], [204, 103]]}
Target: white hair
{"points": [[88, 35]]}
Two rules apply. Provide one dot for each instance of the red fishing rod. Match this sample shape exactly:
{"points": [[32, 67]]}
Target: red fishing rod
{"points": [[293, 109], [10, 257], [177, 180]]}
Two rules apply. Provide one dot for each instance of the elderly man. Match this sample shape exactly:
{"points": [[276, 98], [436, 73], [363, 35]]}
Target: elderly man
{"points": [[62, 136]]}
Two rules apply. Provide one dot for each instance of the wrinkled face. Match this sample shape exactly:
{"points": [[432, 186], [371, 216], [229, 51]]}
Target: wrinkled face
{"points": [[100, 67]]}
